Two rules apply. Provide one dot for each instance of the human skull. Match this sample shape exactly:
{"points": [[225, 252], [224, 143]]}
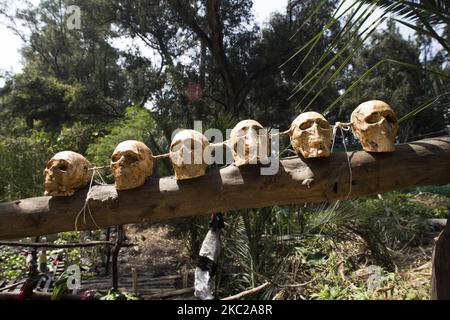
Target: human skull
{"points": [[187, 153], [132, 163], [66, 172], [311, 135], [375, 124], [249, 143]]}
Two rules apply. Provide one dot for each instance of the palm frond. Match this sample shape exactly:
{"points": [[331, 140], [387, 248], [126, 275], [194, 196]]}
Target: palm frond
{"points": [[422, 107], [427, 14], [434, 11], [374, 67]]}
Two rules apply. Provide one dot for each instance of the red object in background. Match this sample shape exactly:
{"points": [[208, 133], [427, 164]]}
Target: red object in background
{"points": [[26, 291], [193, 92]]}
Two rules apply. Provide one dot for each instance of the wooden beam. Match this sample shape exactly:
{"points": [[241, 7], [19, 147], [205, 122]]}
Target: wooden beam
{"points": [[61, 246], [37, 296], [424, 162]]}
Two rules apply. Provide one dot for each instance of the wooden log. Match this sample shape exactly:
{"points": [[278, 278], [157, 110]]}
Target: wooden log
{"points": [[298, 180]]}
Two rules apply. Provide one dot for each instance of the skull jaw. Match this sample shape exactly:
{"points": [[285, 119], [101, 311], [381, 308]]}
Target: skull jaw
{"points": [[57, 192], [315, 152], [250, 160], [313, 147], [188, 164], [189, 171], [55, 189], [377, 139], [128, 179], [252, 152], [241, 161], [378, 145]]}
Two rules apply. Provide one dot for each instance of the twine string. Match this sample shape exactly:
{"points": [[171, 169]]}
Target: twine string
{"points": [[86, 201], [344, 127], [219, 144], [282, 133], [161, 156], [97, 168]]}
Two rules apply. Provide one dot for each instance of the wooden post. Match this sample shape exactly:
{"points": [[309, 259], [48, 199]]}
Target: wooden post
{"points": [[440, 277], [135, 281], [115, 256], [108, 251]]}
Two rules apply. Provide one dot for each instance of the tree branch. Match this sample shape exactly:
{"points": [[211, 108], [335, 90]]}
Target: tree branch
{"points": [[218, 51], [214, 43], [248, 293]]}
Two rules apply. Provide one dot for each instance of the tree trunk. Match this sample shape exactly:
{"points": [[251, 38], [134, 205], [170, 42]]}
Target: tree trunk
{"points": [[298, 180]]}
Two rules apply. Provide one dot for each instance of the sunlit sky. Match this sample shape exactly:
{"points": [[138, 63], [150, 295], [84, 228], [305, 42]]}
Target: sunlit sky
{"points": [[11, 61]]}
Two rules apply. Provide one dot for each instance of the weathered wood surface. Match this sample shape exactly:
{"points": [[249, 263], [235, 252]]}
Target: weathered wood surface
{"points": [[424, 162], [67, 245], [440, 277]]}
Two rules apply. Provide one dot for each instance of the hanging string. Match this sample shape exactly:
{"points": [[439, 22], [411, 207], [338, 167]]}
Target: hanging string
{"points": [[100, 176], [97, 168], [219, 144], [86, 201], [344, 127], [282, 133], [161, 156]]}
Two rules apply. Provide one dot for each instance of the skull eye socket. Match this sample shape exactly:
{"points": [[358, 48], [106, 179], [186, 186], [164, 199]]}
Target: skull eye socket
{"points": [[323, 124], [248, 130], [131, 158], [241, 132], [62, 167], [176, 146], [373, 118], [306, 125], [256, 129], [116, 157], [390, 118]]}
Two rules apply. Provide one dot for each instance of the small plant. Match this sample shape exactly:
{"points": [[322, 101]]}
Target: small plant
{"points": [[12, 265], [116, 295]]}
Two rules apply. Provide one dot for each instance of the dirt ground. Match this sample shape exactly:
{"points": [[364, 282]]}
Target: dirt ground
{"points": [[158, 250]]}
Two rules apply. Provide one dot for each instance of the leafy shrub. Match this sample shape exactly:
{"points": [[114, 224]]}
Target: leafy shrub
{"points": [[23, 161]]}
